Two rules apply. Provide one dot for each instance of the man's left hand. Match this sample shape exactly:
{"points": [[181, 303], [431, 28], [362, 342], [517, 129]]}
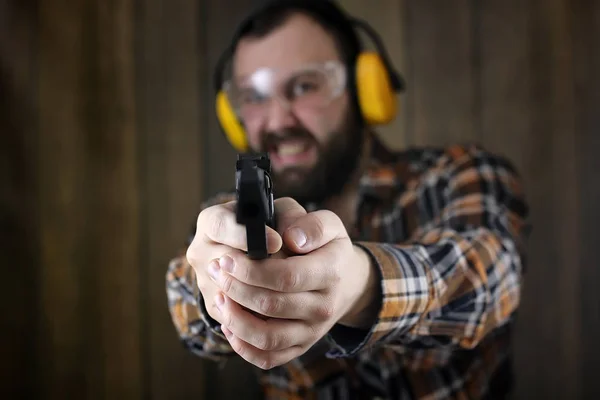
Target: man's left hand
{"points": [[327, 281]]}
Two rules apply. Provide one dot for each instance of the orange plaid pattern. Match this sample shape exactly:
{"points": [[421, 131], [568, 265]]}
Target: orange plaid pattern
{"points": [[446, 229]]}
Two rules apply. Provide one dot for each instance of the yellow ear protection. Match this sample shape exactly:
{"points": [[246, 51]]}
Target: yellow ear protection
{"points": [[376, 84]]}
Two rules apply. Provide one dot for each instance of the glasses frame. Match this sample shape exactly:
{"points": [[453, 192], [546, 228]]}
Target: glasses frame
{"points": [[337, 78]]}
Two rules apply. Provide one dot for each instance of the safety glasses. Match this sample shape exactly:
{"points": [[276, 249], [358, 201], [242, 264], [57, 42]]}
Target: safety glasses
{"points": [[310, 86]]}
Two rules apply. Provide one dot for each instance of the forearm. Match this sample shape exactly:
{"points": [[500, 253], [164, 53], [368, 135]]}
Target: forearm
{"points": [[452, 289]]}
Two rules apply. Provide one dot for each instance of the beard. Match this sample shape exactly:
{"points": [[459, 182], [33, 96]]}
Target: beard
{"points": [[337, 161]]}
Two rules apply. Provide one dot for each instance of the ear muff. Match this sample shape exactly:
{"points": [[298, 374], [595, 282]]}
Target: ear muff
{"points": [[375, 92], [233, 129]]}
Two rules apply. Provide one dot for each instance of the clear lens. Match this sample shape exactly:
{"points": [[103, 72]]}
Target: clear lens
{"points": [[311, 86]]}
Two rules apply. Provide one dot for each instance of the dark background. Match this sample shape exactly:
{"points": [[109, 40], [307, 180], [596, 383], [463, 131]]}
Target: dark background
{"points": [[109, 143]]}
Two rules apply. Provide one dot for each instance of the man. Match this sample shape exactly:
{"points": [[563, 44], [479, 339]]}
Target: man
{"points": [[394, 274]]}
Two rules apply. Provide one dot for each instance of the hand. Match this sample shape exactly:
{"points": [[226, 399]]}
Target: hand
{"points": [[217, 234], [303, 295]]}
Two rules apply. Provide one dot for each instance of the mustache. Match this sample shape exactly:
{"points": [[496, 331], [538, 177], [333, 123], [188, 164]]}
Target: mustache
{"points": [[273, 139]]}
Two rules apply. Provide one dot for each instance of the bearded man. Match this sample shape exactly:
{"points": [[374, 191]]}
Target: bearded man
{"points": [[394, 274]]}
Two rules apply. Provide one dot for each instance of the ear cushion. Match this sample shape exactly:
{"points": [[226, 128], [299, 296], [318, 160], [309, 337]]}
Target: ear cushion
{"points": [[234, 131], [376, 96]]}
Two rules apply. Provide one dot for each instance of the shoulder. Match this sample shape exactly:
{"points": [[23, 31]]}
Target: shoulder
{"points": [[471, 171], [451, 161], [451, 170]]}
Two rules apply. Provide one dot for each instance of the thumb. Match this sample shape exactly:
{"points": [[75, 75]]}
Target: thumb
{"points": [[287, 211]]}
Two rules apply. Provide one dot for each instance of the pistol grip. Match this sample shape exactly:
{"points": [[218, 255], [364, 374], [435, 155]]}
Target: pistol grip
{"points": [[256, 238]]}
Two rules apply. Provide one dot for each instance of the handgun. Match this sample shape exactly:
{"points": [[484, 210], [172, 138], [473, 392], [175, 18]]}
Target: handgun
{"points": [[255, 206]]}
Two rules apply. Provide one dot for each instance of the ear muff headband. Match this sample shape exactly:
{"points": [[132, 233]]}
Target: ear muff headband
{"points": [[376, 84]]}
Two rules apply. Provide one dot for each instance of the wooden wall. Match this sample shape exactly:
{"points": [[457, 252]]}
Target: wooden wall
{"points": [[109, 143]]}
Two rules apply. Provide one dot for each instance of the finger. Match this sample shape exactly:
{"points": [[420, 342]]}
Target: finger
{"points": [[218, 224], [304, 305], [287, 211], [269, 334], [288, 275], [313, 231], [261, 358], [211, 307]]}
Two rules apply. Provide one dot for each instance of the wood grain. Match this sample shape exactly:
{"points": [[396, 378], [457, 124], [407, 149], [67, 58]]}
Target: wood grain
{"points": [[171, 101], [19, 253], [443, 74], [90, 320], [586, 42]]}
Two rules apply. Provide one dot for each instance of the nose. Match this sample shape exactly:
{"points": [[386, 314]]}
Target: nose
{"points": [[279, 115]]}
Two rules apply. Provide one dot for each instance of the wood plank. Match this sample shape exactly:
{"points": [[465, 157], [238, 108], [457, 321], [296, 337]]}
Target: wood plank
{"points": [[18, 214], [443, 72], [113, 198], [62, 217], [550, 361], [90, 326], [172, 104], [586, 41], [504, 47]]}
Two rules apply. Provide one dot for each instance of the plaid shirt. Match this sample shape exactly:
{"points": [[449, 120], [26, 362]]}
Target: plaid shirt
{"points": [[445, 227]]}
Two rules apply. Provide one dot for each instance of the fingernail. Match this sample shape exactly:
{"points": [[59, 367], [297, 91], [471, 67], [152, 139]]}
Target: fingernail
{"points": [[226, 263], [213, 270], [298, 236], [219, 301]]}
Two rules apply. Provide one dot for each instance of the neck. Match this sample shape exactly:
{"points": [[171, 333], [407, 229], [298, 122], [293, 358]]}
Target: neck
{"points": [[344, 205]]}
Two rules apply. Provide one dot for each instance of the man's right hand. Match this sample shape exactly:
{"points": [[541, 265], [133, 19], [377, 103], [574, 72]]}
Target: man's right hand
{"points": [[217, 234]]}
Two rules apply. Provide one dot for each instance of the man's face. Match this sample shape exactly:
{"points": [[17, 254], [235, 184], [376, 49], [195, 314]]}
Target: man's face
{"points": [[313, 144]]}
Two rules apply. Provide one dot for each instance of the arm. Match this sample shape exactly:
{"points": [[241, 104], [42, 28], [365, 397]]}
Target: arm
{"points": [[460, 275], [196, 329]]}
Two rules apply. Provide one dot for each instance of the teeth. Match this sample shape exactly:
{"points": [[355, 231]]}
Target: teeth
{"points": [[290, 149]]}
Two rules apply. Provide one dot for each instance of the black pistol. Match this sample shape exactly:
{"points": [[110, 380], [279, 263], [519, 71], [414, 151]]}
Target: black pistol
{"points": [[254, 207]]}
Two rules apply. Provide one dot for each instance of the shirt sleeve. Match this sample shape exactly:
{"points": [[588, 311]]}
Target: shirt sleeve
{"points": [[460, 275], [196, 329]]}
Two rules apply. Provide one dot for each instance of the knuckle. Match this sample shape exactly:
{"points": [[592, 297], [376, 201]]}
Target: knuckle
{"points": [[212, 311], [289, 281], [270, 305], [318, 228], [315, 330], [241, 268], [267, 342], [227, 283], [266, 363], [202, 284], [335, 277], [191, 255], [227, 320], [238, 347], [216, 223], [324, 311]]}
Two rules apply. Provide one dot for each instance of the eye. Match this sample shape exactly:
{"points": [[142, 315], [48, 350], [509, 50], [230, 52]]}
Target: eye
{"points": [[302, 87], [251, 97], [304, 84]]}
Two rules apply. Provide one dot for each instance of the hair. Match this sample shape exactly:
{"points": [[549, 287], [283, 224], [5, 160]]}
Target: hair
{"points": [[276, 13], [326, 13]]}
